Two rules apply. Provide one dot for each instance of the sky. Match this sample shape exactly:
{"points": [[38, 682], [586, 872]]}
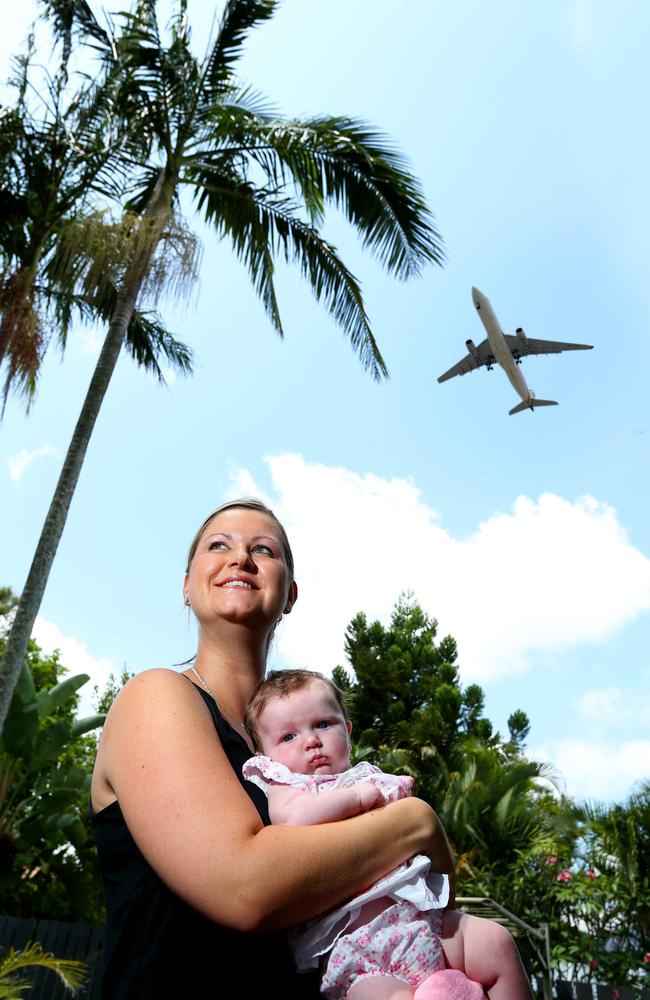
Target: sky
{"points": [[526, 537]]}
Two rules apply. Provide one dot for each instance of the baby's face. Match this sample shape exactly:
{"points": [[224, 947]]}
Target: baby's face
{"points": [[306, 731]]}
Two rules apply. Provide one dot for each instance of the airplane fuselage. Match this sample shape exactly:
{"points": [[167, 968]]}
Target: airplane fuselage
{"points": [[500, 349]]}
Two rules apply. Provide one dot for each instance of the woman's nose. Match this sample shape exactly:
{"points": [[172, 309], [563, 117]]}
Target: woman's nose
{"points": [[240, 556]]}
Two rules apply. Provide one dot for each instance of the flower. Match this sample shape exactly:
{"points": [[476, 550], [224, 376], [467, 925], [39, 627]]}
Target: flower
{"points": [[565, 876], [646, 957], [552, 861], [590, 873], [593, 964]]}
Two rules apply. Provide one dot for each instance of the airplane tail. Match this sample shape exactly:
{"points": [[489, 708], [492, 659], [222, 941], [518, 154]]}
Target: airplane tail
{"points": [[530, 404]]}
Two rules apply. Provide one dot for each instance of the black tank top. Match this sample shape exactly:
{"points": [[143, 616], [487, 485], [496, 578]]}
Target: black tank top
{"points": [[159, 948]]}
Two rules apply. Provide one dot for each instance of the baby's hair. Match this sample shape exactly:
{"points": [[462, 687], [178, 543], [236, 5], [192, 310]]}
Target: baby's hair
{"points": [[280, 684]]}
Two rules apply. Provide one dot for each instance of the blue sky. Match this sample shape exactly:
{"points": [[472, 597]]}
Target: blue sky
{"points": [[526, 536]]}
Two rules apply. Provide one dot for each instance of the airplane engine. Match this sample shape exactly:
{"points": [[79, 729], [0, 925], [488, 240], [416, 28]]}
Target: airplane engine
{"points": [[521, 335], [472, 348]]}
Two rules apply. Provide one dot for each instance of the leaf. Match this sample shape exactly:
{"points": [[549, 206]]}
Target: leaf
{"points": [[48, 701], [87, 724]]}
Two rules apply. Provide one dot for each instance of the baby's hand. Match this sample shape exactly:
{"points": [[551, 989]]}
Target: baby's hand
{"points": [[369, 796]]}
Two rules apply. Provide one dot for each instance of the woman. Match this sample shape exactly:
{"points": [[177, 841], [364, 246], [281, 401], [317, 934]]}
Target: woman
{"points": [[192, 868]]}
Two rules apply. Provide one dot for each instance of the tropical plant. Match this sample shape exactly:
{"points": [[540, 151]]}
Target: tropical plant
{"points": [[57, 154], [47, 863], [259, 180], [13, 984]]}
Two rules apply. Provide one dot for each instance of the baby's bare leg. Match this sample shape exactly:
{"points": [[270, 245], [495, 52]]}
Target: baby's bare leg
{"points": [[486, 953], [380, 988]]}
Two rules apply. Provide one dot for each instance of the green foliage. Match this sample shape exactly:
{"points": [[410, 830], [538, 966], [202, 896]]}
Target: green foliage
{"points": [[407, 695], [47, 861], [584, 871]]}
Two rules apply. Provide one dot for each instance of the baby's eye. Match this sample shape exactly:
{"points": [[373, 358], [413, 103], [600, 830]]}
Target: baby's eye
{"points": [[287, 738], [323, 724]]}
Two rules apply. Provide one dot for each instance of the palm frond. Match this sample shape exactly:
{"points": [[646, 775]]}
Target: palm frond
{"points": [[22, 339], [260, 225], [70, 17], [70, 972], [355, 168], [339, 161], [147, 341], [238, 18]]}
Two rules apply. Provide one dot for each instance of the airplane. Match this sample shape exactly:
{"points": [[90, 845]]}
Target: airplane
{"points": [[507, 351]]}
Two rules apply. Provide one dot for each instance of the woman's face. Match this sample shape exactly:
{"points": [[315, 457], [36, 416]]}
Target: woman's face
{"points": [[238, 572]]}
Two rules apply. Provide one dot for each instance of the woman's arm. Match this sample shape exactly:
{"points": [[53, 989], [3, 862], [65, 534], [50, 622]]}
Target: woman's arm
{"points": [[294, 807], [193, 822]]}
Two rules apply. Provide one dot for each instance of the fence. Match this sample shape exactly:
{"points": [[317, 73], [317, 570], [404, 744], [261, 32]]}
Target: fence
{"points": [[587, 991]]}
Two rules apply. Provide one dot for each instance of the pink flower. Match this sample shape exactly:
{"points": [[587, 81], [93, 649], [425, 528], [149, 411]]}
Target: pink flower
{"points": [[593, 964], [646, 957], [616, 993], [590, 873], [552, 861], [565, 876]]}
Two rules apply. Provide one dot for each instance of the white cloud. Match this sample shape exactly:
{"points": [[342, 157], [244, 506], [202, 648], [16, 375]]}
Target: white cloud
{"points": [[613, 706], [604, 770], [548, 575], [18, 464], [77, 659]]}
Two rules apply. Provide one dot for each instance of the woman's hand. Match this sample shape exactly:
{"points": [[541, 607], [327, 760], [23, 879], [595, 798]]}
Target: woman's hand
{"points": [[425, 833]]}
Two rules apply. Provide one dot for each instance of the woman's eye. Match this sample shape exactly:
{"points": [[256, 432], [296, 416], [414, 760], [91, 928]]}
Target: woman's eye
{"points": [[217, 544], [287, 738], [263, 548]]}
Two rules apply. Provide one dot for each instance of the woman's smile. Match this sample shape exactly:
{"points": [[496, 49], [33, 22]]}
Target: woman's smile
{"points": [[235, 581]]}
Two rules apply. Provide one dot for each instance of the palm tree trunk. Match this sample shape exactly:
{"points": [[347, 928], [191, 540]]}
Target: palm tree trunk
{"points": [[32, 595]]}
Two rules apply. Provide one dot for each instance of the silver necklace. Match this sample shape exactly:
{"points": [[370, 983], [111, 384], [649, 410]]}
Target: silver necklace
{"points": [[235, 722]]}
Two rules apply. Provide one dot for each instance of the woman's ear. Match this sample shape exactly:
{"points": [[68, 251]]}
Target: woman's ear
{"points": [[291, 598], [186, 590]]}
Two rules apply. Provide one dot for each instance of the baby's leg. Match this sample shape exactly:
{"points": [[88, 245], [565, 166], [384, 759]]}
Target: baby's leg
{"points": [[486, 953], [380, 988]]}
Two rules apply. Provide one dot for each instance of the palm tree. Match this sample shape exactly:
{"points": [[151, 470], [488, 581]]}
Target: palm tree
{"points": [[56, 155], [262, 181]]}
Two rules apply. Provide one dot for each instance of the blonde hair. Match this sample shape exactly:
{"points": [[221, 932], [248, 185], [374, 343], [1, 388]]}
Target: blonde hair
{"points": [[245, 503], [280, 684]]}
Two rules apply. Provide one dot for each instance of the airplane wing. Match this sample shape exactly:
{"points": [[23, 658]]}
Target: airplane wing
{"points": [[522, 347], [478, 356]]}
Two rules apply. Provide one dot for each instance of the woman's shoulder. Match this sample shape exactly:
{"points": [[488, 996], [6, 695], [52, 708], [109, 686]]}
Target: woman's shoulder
{"points": [[159, 677], [161, 683], [155, 702]]}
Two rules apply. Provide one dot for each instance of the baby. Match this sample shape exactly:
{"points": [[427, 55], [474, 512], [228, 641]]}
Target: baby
{"points": [[395, 941]]}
